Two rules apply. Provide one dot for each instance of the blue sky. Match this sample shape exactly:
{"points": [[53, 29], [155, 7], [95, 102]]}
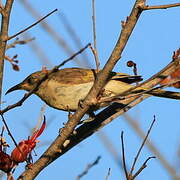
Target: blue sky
{"points": [[153, 40]]}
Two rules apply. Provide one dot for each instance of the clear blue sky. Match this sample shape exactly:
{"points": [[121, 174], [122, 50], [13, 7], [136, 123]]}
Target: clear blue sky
{"points": [[151, 45]]}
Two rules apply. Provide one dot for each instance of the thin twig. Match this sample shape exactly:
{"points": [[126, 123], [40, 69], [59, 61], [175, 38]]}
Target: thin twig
{"points": [[8, 130], [89, 166], [108, 174], [20, 42], [94, 50], [142, 167], [160, 6], [74, 55], [142, 145], [20, 32], [2, 131], [26, 95], [3, 141], [123, 155]]}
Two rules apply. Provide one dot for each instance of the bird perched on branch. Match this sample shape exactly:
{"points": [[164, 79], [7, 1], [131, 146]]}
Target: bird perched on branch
{"points": [[65, 88]]}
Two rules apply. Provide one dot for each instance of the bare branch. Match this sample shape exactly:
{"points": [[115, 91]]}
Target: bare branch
{"points": [[108, 174], [20, 42], [142, 167], [142, 145], [160, 6], [73, 56], [20, 32], [5, 12], [123, 155], [89, 166], [8, 130], [94, 50]]}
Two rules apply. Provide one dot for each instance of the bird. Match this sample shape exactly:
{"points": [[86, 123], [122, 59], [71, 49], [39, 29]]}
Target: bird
{"points": [[65, 88]]}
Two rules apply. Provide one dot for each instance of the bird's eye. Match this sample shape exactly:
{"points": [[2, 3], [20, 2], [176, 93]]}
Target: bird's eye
{"points": [[30, 81]]}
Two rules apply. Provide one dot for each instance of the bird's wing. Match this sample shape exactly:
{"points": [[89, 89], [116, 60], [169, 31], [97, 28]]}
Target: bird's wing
{"points": [[81, 76], [73, 76]]}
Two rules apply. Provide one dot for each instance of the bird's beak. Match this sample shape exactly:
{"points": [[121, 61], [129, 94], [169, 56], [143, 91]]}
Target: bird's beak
{"points": [[14, 88]]}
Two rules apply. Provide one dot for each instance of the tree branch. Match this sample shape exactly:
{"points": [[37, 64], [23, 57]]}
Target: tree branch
{"points": [[160, 6], [142, 167], [123, 155], [140, 149], [94, 50], [29, 27], [5, 12], [88, 167]]}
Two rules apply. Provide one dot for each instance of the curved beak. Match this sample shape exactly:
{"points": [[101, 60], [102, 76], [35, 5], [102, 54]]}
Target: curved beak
{"points": [[14, 88]]}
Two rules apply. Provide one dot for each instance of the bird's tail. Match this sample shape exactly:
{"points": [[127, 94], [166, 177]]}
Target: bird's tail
{"points": [[158, 92]]}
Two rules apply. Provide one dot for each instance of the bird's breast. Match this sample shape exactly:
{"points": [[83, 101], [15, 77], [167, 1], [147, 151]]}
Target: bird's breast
{"points": [[67, 97]]}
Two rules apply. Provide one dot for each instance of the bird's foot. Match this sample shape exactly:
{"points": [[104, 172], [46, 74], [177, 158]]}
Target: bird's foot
{"points": [[90, 119], [69, 112]]}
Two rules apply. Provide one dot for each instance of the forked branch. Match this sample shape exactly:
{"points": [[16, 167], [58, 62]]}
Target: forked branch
{"points": [[130, 176]]}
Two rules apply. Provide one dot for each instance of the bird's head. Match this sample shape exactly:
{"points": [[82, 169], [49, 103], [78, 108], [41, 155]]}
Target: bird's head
{"points": [[29, 83]]}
